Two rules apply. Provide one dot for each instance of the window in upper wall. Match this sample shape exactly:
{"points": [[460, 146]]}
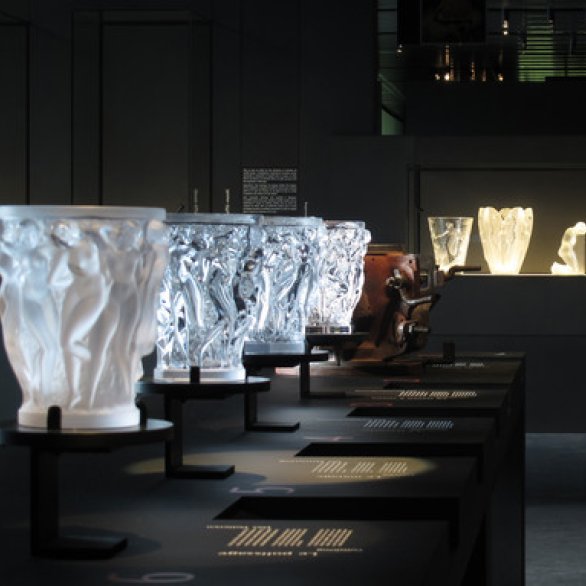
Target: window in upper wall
{"points": [[392, 104], [480, 41], [390, 125]]}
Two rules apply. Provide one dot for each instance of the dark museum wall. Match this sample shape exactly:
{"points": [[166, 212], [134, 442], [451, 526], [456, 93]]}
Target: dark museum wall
{"points": [[144, 102]]}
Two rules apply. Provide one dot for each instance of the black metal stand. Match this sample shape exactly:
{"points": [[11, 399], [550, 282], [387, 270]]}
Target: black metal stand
{"points": [[255, 362], [176, 393], [46, 447], [337, 341], [252, 424]]}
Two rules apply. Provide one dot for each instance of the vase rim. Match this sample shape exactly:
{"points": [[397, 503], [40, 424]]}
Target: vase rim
{"points": [[291, 221], [211, 218], [334, 223], [450, 217], [81, 211]]}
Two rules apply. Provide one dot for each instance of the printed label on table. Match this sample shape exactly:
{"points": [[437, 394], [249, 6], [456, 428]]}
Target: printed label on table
{"points": [[361, 469], [266, 541], [407, 425], [461, 364], [416, 395]]}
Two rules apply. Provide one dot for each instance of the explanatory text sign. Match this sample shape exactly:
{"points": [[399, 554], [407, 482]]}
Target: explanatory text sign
{"points": [[269, 190]]}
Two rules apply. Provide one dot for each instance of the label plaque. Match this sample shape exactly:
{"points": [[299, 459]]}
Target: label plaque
{"points": [[352, 469], [418, 395], [266, 541], [269, 190]]}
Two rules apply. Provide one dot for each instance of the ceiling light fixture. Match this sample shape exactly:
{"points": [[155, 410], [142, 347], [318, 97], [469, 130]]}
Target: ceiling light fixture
{"points": [[505, 25]]}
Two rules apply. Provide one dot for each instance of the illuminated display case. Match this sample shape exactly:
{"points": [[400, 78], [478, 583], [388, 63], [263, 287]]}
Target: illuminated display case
{"points": [[462, 191]]}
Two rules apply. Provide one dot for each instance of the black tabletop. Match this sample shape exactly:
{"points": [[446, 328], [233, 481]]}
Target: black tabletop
{"points": [[86, 439]]}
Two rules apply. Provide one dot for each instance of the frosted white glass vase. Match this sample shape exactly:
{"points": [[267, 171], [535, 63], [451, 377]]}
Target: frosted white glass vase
{"points": [[208, 296], [77, 303], [340, 268], [505, 236], [289, 276]]}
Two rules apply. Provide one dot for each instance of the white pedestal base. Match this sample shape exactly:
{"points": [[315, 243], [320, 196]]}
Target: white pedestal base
{"points": [[284, 347], [206, 375], [107, 419]]}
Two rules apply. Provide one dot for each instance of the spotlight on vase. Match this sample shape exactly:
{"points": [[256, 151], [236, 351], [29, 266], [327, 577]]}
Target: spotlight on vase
{"points": [[505, 236], [289, 276], [340, 268], [450, 238], [572, 251], [208, 296], [77, 303]]}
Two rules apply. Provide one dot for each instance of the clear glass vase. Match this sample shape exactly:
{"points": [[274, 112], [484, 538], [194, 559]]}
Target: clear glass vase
{"points": [[208, 296], [77, 303], [450, 238], [289, 275], [340, 268]]}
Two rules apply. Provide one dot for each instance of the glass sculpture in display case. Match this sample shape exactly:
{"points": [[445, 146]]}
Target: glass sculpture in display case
{"points": [[450, 238], [289, 275], [77, 303], [505, 236], [572, 251], [208, 296], [340, 268]]}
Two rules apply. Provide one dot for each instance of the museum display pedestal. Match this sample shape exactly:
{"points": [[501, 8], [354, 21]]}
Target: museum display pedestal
{"points": [[338, 342], [526, 313], [255, 362], [421, 485], [176, 393], [480, 386], [46, 447]]}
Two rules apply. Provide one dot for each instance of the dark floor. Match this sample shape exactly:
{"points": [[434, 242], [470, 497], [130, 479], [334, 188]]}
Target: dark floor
{"points": [[556, 509]]}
